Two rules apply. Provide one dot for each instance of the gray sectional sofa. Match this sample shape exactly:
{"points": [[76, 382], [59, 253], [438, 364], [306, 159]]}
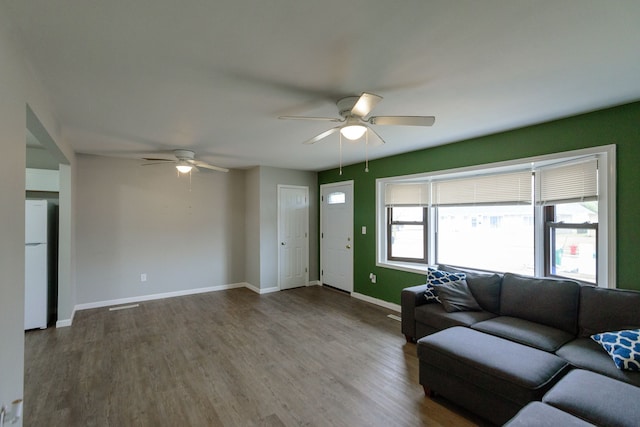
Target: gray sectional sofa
{"points": [[528, 334]]}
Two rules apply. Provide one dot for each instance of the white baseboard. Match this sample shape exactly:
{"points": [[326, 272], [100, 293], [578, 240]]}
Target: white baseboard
{"points": [[141, 298], [261, 291], [65, 323], [376, 301]]}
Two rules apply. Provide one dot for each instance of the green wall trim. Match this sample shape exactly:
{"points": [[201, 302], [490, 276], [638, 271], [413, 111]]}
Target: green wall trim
{"points": [[618, 125]]}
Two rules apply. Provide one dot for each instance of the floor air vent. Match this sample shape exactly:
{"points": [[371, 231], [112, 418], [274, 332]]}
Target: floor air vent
{"points": [[124, 307]]}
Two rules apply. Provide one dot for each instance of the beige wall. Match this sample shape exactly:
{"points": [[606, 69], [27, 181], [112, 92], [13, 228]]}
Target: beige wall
{"points": [[262, 223], [252, 226], [270, 178], [217, 230], [183, 234]]}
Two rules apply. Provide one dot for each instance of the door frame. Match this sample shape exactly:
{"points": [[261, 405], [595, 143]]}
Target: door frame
{"points": [[306, 195], [322, 188]]}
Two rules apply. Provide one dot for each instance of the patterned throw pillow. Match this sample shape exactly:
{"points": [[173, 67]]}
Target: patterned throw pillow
{"points": [[430, 294], [439, 277], [622, 346]]}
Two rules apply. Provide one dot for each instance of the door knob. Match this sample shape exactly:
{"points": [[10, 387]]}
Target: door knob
{"points": [[348, 246], [282, 243]]}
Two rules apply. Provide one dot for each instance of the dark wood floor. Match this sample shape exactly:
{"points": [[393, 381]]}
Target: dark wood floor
{"points": [[304, 357]]}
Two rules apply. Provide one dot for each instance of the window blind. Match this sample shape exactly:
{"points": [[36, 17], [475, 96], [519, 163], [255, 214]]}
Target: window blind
{"points": [[406, 194], [568, 183], [507, 188]]}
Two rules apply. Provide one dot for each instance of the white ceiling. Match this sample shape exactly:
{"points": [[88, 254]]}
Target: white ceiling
{"points": [[130, 78]]}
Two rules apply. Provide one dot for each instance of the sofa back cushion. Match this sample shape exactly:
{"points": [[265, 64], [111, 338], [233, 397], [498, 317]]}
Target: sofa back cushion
{"points": [[551, 302], [485, 287], [606, 310]]}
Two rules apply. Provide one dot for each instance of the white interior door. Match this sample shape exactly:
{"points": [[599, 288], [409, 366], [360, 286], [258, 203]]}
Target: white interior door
{"points": [[336, 235], [293, 235]]}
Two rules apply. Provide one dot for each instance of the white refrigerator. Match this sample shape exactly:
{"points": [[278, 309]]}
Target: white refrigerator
{"points": [[35, 265]]}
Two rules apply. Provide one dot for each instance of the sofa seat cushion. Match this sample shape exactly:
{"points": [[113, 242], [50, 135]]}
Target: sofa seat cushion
{"points": [[596, 398], [538, 414], [515, 372], [587, 354], [525, 332], [435, 316]]}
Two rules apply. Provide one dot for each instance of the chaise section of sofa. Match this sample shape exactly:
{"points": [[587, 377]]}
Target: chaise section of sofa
{"points": [[490, 376], [602, 310]]}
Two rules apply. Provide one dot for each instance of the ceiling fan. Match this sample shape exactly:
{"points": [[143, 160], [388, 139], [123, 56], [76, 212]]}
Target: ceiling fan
{"points": [[354, 112], [185, 162]]}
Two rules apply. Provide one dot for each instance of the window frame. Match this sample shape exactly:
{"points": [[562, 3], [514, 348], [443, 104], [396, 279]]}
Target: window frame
{"points": [[606, 244], [550, 224], [425, 232]]}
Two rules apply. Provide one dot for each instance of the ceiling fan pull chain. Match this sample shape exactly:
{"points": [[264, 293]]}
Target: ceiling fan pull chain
{"points": [[340, 153], [366, 151]]}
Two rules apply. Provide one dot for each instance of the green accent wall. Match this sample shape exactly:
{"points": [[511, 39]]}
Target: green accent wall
{"points": [[617, 125]]}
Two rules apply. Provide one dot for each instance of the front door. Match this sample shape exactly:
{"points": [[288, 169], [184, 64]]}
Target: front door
{"points": [[293, 235], [336, 235]]}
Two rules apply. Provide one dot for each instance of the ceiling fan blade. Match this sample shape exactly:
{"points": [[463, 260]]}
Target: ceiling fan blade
{"points": [[377, 140], [322, 135], [403, 120], [153, 159], [208, 166], [365, 104], [158, 163], [322, 119]]}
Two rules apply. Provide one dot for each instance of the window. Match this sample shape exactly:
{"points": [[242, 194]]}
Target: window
{"points": [[485, 221], [406, 205], [571, 243], [569, 194], [497, 238], [336, 198], [551, 215], [408, 231]]}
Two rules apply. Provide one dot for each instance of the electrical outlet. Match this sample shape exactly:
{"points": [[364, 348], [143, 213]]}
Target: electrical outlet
{"points": [[372, 277], [143, 277]]}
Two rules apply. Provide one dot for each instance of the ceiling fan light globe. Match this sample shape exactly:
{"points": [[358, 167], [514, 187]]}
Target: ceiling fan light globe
{"points": [[182, 168], [353, 132]]}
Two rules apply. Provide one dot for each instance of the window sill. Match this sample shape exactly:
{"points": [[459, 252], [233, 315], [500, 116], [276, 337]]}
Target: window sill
{"points": [[404, 266]]}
